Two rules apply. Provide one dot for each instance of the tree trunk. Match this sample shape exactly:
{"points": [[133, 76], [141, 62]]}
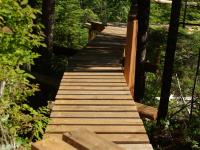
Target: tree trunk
{"points": [[143, 23], [169, 60], [48, 12]]}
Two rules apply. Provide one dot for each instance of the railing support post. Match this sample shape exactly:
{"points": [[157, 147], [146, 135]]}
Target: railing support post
{"points": [[130, 52]]}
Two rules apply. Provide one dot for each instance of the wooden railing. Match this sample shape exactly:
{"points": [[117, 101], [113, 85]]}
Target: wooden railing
{"points": [[94, 27], [130, 52]]}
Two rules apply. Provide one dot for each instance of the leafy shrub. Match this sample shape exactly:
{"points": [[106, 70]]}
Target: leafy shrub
{"points": [[69, 24], [17, 40]]}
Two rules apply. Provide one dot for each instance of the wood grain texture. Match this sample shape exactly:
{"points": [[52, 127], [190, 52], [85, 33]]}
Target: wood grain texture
{"points": [[95, 88], [94, 95], [78, 92], [116, 138], [66, 115], [86, 140], [97, 128], [52, 144], [95, 102], [94, 121], [83, 108]]}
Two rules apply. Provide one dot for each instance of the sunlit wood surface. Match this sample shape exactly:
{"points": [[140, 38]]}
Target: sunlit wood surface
{"points": [[93, 94]]}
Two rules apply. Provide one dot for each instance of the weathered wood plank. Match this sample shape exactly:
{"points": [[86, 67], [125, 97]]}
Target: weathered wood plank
{"points": [[78, 92], [94, 73], [147, 111], [127, 138], [116, 138], [94, 80], [92, 77], [102, 69], [95, 96], [136, 146], [84, 108], [84, 139], [51, 144], [95, 115], [95, 102], [94, 84], [95, 121], [97, 128], [96, 88], [121, 97]]}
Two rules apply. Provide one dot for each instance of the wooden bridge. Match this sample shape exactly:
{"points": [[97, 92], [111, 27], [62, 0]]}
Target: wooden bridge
{"points": [[94, 95]]}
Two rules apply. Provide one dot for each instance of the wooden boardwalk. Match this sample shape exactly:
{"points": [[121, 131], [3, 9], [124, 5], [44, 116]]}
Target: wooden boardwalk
{"points": [[93, 94]]}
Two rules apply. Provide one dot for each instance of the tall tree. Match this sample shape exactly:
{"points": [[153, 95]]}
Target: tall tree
{"points": [[143, 26], [169, 59], [48, 11]]}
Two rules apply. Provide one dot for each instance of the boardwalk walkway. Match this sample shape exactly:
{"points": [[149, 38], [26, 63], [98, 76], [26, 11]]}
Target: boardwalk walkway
{"points": [[93, 94]]}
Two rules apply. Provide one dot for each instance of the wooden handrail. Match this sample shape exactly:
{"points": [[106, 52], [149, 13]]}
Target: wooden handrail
{"points": [[93, 28], [130, 53]]}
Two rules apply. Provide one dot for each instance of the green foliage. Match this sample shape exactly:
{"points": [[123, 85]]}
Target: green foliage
{"points": [[58, 63], [159, 13], [71, 16], [17, 41], [118, 10], [69, 24], [177, 132]]}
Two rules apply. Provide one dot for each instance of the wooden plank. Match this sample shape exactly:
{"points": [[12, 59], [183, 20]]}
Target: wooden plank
{"points": [[94, 84], [96, 88], [102, 69], [116, 138], [51, 144], [94, 73], [147, 111], [136, 146], [94, 108], [97, 54], [98, 99], [78, 92], [92, 77], [97, 128], [95, 115], [95, 121], [121, 97], [86, 140], [94, 80], [93, 64], [95, 102], [127, 138], [92, 61]]}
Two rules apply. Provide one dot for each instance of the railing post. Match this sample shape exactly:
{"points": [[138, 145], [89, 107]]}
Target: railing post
{"points": [[93, 29], [130, 52], [90, 35]]}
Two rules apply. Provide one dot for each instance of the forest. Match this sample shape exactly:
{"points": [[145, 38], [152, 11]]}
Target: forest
{"points": [[37, 37]]}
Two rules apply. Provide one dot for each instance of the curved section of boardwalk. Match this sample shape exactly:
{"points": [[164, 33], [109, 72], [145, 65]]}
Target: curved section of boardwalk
{"points": [[93, 94]]}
